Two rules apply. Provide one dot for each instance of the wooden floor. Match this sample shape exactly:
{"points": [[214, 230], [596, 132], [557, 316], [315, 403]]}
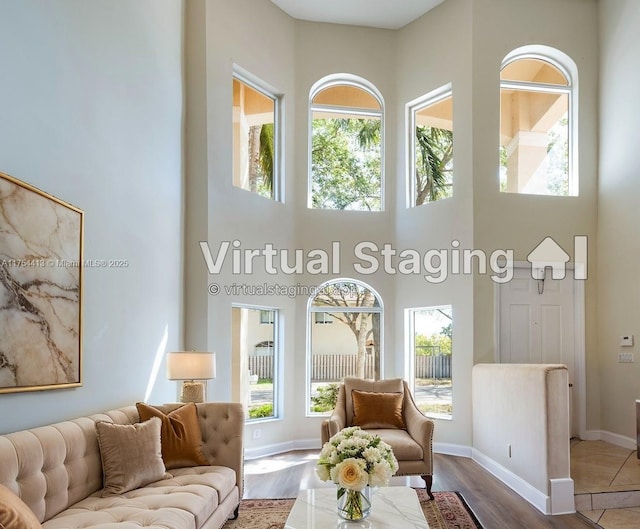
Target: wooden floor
{"points": [[493, 503]]}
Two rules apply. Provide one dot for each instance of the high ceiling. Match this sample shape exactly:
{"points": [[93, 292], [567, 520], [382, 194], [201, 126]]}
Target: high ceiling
{"points": [[390, 14]]}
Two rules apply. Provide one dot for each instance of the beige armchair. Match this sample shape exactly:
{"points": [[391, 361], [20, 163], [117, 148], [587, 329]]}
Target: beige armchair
{"points": [[386, 408]]}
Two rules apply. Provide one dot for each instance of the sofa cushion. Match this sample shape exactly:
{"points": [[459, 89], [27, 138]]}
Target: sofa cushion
{"points": [[391, 385], [372, 409], [14, 513], [187, 499], [131, 455], [180, 434]]}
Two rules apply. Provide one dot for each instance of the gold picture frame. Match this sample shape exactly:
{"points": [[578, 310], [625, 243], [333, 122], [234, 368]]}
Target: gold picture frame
{"points": [[41, 247]]}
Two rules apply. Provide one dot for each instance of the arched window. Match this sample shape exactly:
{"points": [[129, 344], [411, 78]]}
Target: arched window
{"points": [[351, 346], [537, 136], [345, 147]]}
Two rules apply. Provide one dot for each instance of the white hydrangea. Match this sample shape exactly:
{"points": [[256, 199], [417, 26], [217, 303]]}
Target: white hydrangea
{"points": [[372, 454], [380, 474]]}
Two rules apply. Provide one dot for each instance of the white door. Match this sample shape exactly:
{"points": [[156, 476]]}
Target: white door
{"points": [[537, 325]]}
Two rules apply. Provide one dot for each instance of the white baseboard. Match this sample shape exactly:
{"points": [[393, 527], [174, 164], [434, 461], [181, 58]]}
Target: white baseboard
{"points": [[562, 496], [536, 498], [452, 449], [279, 448], [609, 437]]}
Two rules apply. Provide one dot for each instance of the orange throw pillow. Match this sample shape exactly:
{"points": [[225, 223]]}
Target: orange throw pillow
{"points": [[372, 409], [14, 513], [181, 438]]}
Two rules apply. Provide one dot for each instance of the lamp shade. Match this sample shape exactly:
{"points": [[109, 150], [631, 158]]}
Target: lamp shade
{"points": [[191, 365]]}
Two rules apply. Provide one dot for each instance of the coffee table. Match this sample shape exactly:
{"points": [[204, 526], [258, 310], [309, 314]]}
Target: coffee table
{"points": [[391, 508]]}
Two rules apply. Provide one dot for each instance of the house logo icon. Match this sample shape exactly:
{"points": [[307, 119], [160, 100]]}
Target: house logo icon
{"points": [[549, 254]]}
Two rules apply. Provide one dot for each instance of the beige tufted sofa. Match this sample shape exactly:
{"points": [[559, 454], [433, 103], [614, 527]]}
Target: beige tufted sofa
{"points": [[57, 472]]}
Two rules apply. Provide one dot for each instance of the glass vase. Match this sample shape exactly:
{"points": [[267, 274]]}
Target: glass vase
{"points": [[354, 505]]}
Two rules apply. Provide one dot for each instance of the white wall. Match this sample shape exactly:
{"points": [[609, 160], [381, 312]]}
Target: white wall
{"points": [[618, 214], [434, 226], [91, 112], [220, 34], [454, 43], [521, 222]]}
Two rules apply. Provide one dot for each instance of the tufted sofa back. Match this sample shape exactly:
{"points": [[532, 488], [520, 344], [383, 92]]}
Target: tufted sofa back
{"points": [[53, 467]]}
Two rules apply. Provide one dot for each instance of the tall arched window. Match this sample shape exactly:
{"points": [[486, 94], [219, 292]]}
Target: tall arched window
{"points": [[345, 148], [537, 136], [344, 339]]}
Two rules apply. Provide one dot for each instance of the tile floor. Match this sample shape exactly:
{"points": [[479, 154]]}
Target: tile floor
{"points": [[607, 483]]}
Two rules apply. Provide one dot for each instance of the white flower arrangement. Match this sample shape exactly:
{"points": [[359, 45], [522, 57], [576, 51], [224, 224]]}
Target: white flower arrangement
{"points": [[354, 459]]}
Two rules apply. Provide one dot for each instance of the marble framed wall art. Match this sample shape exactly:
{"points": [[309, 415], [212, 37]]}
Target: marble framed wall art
{"points": [[40, 289]]}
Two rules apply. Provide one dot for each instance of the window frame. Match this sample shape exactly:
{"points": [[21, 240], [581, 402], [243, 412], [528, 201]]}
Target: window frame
{"points": [[264, 319], [321, 318], [568, 68], [312, 310], [410, 353], [257, 84], [411, 108], [356, 82], [277, 338]]}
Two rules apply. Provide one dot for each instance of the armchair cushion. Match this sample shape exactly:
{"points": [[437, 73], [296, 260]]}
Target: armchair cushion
{"points": [[405, 448], [377, 409]]}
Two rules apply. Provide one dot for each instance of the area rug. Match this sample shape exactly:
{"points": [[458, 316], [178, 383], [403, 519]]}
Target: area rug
{"points": [[448, 511]]}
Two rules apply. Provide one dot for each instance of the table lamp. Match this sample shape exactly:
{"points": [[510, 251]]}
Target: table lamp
{"points": [[192, 367]]}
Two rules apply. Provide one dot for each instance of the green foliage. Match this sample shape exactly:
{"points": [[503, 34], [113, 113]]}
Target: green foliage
{"points": [[431, 345], [434, 164], [326, 398], [439, 409], [345, 164], [261, 411], [266, 157]]}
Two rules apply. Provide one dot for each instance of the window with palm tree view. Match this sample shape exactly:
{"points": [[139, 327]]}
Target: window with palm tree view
{"points": [[346, 148], [535, 128], [430, 333], [254, 139], [431, 147], [348, 347]]}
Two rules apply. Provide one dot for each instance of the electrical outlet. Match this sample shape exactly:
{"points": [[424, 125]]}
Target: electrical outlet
{"points": [[626, 341], [257, 433], [625, 358]]}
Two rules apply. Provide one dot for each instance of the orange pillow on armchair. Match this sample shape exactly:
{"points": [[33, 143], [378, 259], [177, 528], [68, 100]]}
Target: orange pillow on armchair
{"points": [[372, 409]]}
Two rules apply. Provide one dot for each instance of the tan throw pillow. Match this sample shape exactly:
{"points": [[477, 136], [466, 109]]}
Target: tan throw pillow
{"points": [[131, 455], [377, 410], [14, 513], [181, 435]]}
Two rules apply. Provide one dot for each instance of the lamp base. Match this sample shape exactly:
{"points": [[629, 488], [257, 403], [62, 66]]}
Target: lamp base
{"points": [[192, 392]]}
